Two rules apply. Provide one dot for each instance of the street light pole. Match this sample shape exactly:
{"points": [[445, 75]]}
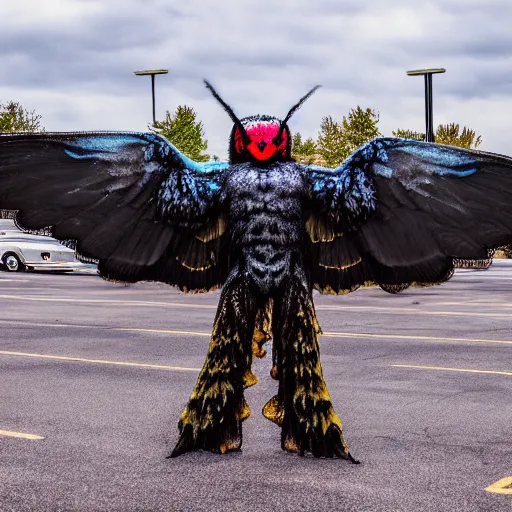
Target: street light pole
{"points": [[152, 73], [429, 117]]}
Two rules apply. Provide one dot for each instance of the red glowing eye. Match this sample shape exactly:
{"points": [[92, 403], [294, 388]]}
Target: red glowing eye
{"points": [[239, 143]]}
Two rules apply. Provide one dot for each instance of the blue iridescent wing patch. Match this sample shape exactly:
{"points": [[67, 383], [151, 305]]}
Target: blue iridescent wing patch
{"points": [[114, 146], [350, 188], [414, 163], [187, 187]]}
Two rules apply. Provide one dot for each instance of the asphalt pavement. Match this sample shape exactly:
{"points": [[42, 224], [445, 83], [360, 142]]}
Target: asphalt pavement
{"points": [[94, 375]]}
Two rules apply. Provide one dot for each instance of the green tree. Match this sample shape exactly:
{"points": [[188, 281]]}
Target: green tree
{"points": [[184, 131], [331, 143], [408, 134], [305, 152], [336, 141], [448, 134], [14, 118], [360, 127], [451, 135]]}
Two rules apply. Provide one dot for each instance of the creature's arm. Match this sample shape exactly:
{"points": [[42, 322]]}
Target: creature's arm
{"points": [[400, 211], [131, 200]]}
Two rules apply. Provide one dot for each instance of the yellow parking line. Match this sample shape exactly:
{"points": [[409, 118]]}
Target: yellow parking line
{"points": [[442, 368], [19, 434], [503, 486], [99, 361]]}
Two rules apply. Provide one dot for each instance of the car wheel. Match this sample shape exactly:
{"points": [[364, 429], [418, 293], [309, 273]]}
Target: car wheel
{"points": [[12, 263]]}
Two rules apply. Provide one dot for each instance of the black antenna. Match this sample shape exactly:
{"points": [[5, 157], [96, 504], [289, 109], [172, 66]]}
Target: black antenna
{"points": [[230, 112], [293, 110]]}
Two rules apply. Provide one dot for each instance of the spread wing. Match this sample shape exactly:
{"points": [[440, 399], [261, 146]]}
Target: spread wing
{"points": [[400, 211], [131, 201]]}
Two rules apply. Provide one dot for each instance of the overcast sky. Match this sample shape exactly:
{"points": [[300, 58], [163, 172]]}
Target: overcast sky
{"points": [[73, 60]]}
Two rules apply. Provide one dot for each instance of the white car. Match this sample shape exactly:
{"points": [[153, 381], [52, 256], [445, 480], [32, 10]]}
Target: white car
{"points": [[20, 251]]}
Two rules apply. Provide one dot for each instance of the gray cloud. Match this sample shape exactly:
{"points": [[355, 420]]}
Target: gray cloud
{"points": [[73, 60]]}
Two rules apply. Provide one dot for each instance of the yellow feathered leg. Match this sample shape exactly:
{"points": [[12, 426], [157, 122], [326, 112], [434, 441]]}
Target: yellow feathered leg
{"points": [[302, 406], [212, 419]]}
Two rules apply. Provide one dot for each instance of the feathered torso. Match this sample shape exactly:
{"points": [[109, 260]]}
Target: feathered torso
{"points": [[266, 220]]}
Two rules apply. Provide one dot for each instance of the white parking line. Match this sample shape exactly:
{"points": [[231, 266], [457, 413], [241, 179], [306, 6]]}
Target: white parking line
{"points": [[111, 302], [396, 310], [445, 369]]}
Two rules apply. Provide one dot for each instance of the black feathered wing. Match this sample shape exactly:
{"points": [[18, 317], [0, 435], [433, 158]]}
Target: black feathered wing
{"points": [[400, 211], [132, 202]]}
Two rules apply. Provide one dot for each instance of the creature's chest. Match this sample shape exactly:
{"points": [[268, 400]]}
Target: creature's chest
{"points": [[271, 190]]}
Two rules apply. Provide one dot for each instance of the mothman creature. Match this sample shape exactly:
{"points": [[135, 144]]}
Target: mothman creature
{"points": [[268, 230]]}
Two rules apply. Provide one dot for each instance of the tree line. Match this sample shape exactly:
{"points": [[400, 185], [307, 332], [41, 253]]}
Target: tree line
{"points": [[335, 141]]}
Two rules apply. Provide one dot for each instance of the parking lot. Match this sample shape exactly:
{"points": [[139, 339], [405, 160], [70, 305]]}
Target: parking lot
{"points": [[94, 375]]}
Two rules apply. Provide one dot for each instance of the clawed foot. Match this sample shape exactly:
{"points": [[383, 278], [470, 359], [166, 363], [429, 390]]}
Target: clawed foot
{"points": [[219, 434], [318, 430], [329, 445], [215, 442]]}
